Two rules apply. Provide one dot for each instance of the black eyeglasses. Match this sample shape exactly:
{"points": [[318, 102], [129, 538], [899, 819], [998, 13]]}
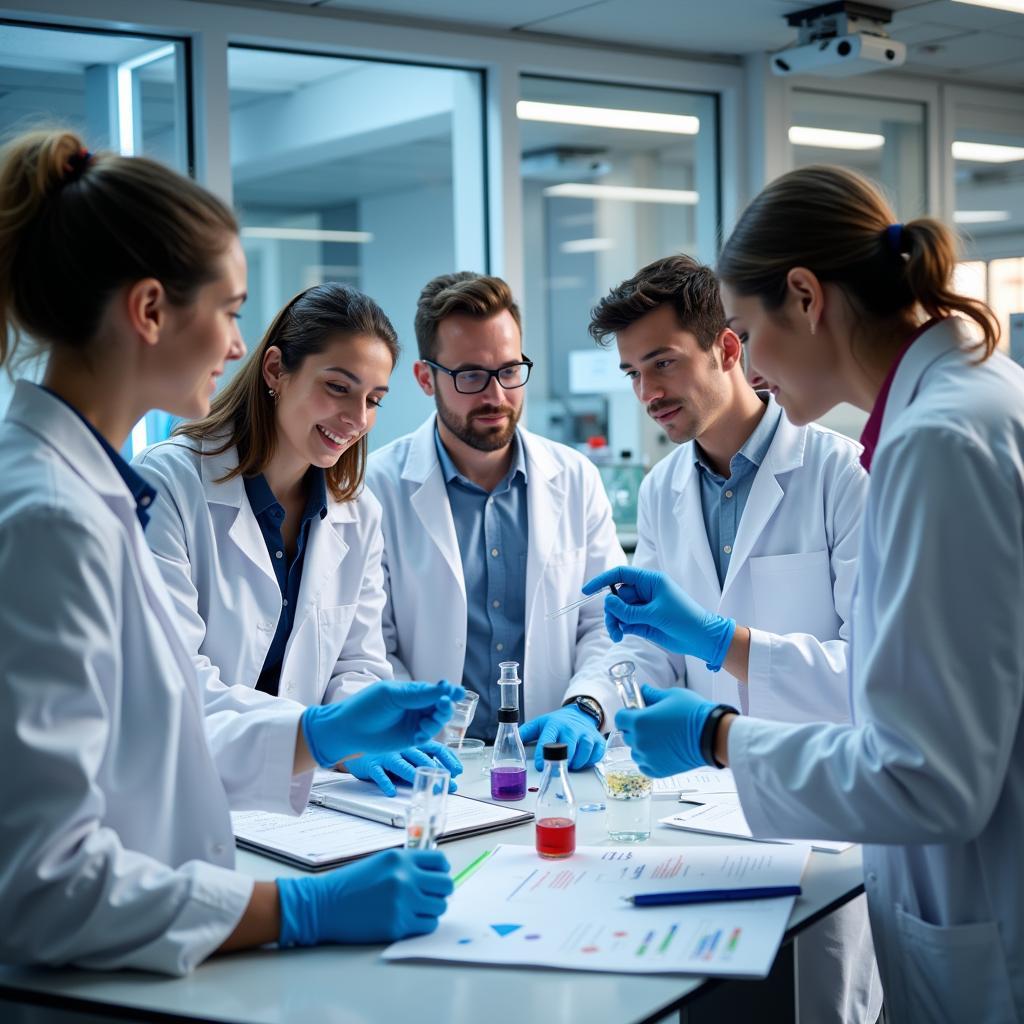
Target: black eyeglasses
{"points": [[472, 382]]}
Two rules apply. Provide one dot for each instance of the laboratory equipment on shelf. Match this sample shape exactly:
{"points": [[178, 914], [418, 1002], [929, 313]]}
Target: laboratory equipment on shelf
{"points": [[509, 683], [613, 587], [508, 764], [462, 718], [555, 814], [428, 808]]}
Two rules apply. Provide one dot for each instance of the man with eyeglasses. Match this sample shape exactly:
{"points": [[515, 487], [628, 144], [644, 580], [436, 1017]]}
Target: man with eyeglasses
{"points": [[489, 528]]}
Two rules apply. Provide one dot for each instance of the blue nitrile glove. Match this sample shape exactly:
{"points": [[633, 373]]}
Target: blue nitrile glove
{"points": [[386, 897], [382, 717], [568, 725], [385, 768], [665, 735], [651, 605]]}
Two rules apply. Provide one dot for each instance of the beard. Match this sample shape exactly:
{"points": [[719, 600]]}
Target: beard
{"points": [[483, 439]]}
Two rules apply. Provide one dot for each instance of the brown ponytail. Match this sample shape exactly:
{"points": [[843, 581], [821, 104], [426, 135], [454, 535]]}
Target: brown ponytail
{"points": [[837, 224], [74, 227]]}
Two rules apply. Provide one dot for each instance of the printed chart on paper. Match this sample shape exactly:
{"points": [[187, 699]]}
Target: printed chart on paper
{"points": [[520, 909]]}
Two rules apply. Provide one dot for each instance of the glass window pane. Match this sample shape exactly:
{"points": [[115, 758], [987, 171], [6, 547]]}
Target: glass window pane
{"points": [[988, 158], [363, 172], [125, 93], [613, 178], [884, 139]]}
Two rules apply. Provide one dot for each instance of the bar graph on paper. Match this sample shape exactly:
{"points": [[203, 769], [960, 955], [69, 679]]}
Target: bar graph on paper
{"points": [[518, 909]]}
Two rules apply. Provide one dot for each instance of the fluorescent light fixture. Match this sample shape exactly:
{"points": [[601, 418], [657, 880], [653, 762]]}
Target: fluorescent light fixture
{"points": [[587, 245], [126, 96], [1016, 6], [829, 138], [608, 117], [986, 153], [980, 216], [308, 235], [624, 193]]}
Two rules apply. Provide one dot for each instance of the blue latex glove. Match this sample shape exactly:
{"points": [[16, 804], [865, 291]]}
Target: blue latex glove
{"points": [[382, 898], [385, 768], [665, 735], [568, 725], [380, 718], [652, 606]]}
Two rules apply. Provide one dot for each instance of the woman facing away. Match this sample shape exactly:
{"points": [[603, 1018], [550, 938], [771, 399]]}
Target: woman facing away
{"points": [[114, 824]]}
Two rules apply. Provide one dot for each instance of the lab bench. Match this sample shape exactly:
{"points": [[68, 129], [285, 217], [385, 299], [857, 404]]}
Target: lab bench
{"points": [[353, 985]]}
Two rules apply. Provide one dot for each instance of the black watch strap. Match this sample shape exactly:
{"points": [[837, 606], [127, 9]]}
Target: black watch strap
{"points": [[708, 733], [589, 706]]}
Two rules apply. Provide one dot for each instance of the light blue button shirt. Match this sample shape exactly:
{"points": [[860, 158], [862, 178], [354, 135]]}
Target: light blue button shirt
{"points": [[723, 500], [493, 534]]}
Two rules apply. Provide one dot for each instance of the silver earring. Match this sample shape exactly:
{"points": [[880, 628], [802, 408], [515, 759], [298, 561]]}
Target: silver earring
{"points": [[272, 392]]}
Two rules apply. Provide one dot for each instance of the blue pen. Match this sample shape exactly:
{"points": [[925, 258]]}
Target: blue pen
{"points": [[664, 899]]}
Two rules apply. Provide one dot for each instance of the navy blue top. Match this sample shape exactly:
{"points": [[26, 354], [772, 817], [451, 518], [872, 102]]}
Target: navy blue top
{"points": [[493, 533], [270, 515], [141, 490]]}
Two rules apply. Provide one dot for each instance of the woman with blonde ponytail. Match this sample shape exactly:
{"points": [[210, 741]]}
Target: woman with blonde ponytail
{"points": [[114, 810], [269, 544], [840, 303]]}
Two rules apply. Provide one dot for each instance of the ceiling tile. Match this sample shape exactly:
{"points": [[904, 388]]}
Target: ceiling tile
{"points": [[466, 12]]}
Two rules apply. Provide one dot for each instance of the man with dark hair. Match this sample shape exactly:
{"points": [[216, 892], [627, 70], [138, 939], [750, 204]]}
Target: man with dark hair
{"points": [[489, 528], [757, 521]]}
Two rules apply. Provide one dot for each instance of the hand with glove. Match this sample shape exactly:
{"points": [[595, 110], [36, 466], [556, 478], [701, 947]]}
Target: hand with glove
{"points": [[382, 717], [665, 735], [386, 769], [568, 725], [650, 605], [383, 898]]}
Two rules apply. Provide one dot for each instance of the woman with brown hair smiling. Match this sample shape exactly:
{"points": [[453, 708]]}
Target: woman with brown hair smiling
{"points": [[270, 546]]}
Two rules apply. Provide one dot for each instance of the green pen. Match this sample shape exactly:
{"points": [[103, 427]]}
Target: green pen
{"points": [[470, 868]]}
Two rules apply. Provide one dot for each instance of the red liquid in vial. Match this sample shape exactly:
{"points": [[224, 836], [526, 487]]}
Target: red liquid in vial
{"points": [[556, 837]]}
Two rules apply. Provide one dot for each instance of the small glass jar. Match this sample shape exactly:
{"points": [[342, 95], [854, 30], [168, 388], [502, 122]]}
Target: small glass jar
{"points": [[628, 792]]}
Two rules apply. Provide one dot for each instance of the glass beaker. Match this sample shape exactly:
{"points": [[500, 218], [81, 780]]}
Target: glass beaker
{"points": [[628, 793], [462, 717], [428, 808], [623, 675]]}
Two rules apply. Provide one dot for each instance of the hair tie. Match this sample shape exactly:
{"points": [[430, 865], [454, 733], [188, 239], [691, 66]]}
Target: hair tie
{"points": [[894, 238], [76, 165]]}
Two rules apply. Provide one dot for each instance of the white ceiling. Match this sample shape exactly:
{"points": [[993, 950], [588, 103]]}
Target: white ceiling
{"points": [[945, 39]]}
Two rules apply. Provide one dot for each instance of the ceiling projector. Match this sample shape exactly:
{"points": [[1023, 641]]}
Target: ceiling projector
{"points": [[839, 39]]}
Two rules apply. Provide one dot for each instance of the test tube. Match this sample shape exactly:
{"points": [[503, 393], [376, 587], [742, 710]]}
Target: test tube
{"points": [[623, 674], [428, 807], [462, 717], [509, 683]]}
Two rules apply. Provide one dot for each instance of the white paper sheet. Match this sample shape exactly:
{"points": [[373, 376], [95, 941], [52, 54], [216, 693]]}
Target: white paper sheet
{"points": [[725, 818], [699, 781], [519, 909]]}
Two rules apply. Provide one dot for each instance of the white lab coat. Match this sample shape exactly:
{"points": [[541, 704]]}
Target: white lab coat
{"points": [[790, 579], [116, 838], [933, 767], [571, 538], [790, 575], [209, 548]]}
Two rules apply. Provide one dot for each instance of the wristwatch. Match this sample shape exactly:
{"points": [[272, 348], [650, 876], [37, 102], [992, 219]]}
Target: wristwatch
{"points": [[588, 706], [707, 734]]}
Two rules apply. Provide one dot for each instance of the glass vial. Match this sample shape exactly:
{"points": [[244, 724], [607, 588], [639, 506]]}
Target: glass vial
{"points": [[509, 683], [556, 808], [623, 675], [508, 764]]}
